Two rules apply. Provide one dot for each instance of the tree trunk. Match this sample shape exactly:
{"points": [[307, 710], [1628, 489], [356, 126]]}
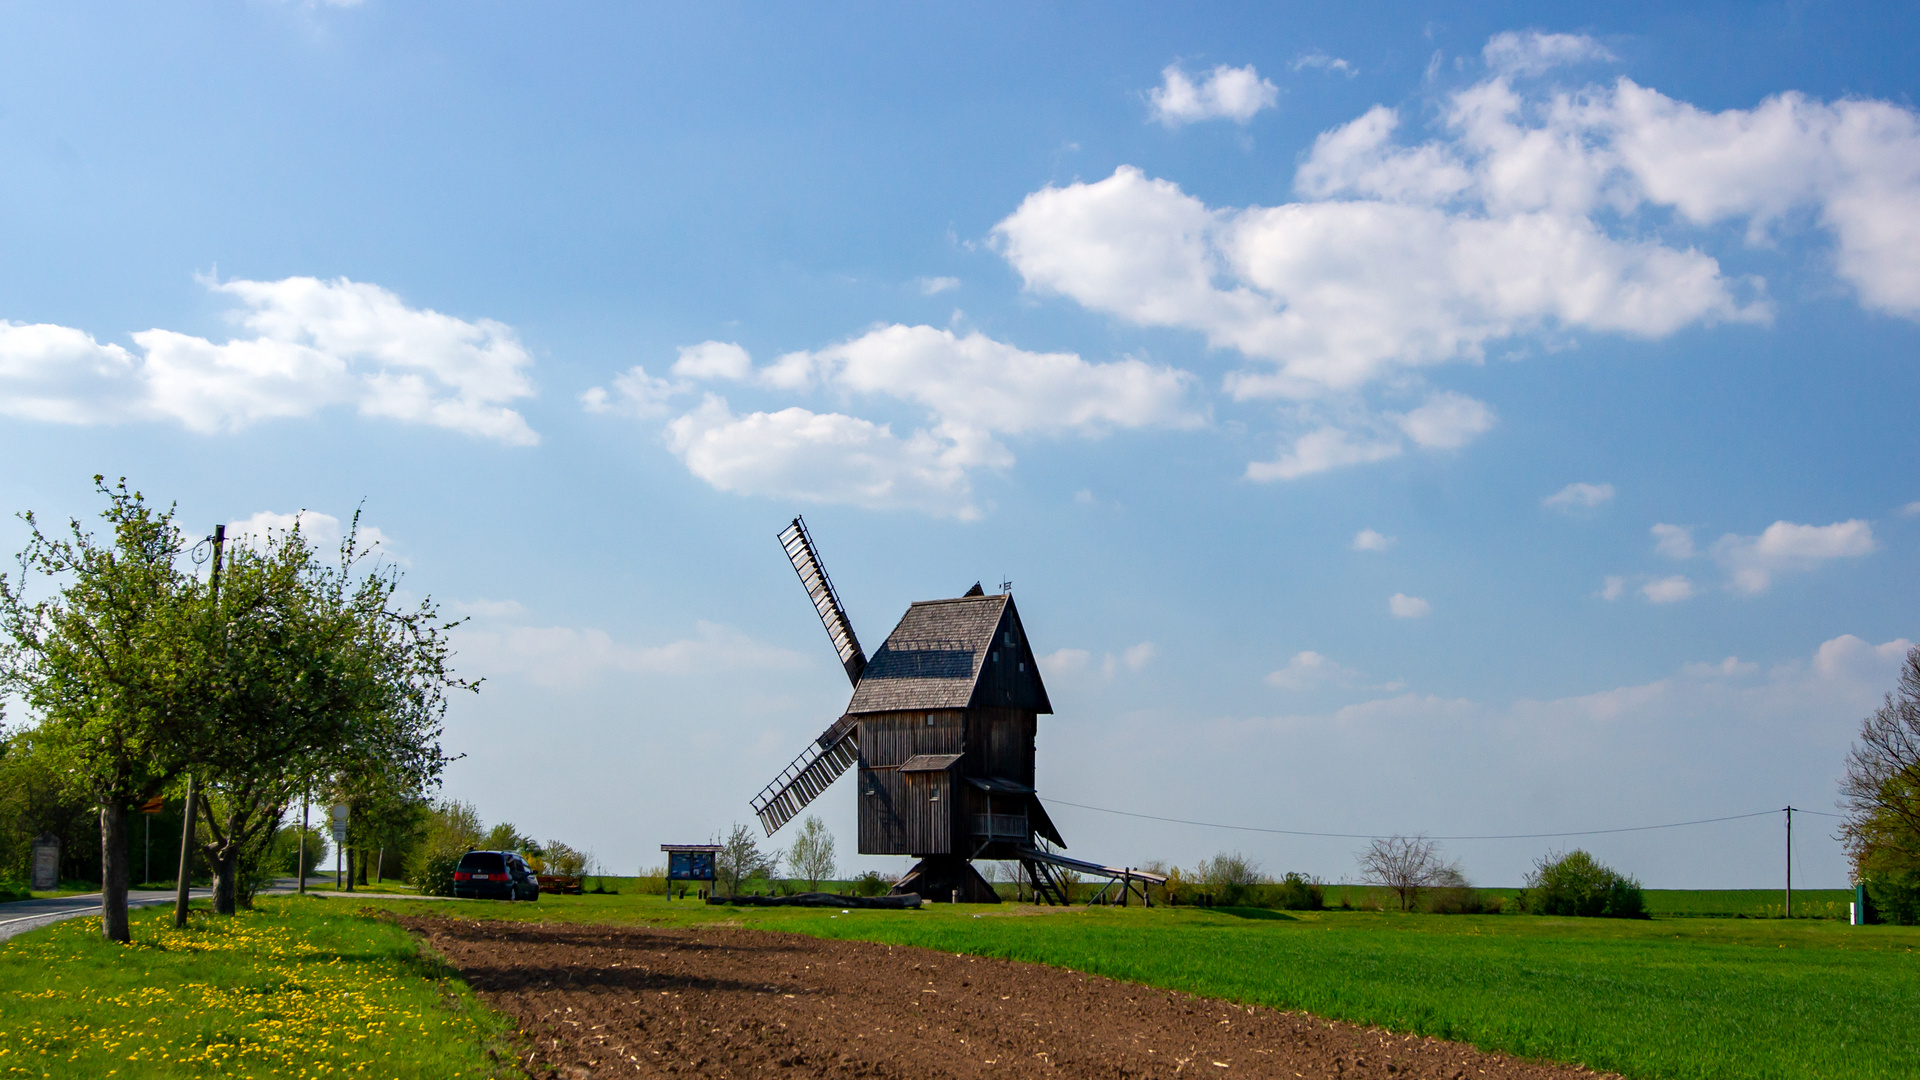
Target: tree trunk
{"points": [[113, 872], [225, 863]]}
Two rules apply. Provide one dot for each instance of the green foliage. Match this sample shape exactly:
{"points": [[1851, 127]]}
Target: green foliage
{"points": [[34, 799], [1229, 879], [451, 829], [871, 884], [285, 856], [1881, 793], [1577, 884], [1295, 893], [1452, 894], [565, 860], [110, 663], [432, 870], [504, 837], [14, 890], [1894, 898], [740, 860], [811, 858]]}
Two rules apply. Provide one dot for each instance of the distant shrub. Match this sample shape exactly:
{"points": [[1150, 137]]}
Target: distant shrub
{"points": [[1228, 879], [431, 869], [1452, 894], [1577, 884], [13, 890], [871, 884], [1296, 893], [1894, 898]]}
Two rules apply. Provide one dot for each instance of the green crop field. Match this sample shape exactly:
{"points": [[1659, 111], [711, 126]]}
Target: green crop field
{"points": [[1686, 998], [295, 989], [1696, 997], [1716, 903]]}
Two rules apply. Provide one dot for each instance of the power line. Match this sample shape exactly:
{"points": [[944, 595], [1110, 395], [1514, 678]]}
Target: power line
{"points": [[1377, 836]]}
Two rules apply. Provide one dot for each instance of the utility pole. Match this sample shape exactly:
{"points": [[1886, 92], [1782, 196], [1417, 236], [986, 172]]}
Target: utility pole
{"points": [[303, 841], [1789, 861], [186, 827]]}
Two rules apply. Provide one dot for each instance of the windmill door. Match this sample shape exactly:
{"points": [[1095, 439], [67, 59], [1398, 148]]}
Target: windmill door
{"points": [[927, 811]]}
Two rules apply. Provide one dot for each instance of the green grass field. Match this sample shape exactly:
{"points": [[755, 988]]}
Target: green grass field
{"points": [[322, 986], [1713, 903], [1692, 998], [295, 989]]}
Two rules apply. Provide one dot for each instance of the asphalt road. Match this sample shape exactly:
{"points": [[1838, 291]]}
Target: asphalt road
{"points": [[22, 915]]}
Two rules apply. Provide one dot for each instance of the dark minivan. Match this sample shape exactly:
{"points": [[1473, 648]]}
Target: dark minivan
{"points": [[495, 875]]}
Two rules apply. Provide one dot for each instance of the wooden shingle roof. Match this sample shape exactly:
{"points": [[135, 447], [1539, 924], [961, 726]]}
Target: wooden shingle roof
{"points": [[936, 658]]}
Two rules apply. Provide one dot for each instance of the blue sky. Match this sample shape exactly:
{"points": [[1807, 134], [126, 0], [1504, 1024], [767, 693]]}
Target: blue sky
{"points": [[1403, 418]]}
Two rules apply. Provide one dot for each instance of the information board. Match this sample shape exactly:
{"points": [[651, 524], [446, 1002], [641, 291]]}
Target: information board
{"points": [[690, 866]]}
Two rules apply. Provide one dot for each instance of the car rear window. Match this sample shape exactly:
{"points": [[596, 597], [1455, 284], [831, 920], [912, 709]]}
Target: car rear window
{"points": [[482, 862]]}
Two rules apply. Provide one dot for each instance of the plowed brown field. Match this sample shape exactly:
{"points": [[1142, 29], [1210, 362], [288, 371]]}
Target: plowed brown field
{"points": [[600, 1001]]}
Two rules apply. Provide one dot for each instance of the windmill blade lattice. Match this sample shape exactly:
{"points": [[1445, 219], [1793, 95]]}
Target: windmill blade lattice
{"points": [[817, 767], [806, 563]]}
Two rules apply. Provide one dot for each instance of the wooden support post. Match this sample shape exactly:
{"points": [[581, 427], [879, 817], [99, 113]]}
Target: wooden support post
{"points": [[1789, 862], [186, 859]]}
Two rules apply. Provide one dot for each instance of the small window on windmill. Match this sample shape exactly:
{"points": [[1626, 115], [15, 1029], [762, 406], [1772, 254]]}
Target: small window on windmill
{"points": [[936, 795], [929, 719]]}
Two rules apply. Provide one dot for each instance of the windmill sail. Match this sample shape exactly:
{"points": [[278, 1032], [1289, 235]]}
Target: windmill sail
{"points": [[817, 767], [806, 563]]}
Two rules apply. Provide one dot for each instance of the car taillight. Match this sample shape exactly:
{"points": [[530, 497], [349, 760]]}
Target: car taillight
{"points": [[461, 875]]}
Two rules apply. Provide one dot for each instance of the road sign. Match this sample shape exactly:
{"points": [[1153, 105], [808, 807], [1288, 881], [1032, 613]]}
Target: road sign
{"points": [[154, 805], [338, 812]]}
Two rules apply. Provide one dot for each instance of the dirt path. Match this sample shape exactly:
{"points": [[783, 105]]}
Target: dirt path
{"points": [[599, 1001]]}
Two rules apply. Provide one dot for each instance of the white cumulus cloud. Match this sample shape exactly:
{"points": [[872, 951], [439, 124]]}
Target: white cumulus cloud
{"points": [[1752, 561], [971, 390], [1534, 53], [833, 458], [1369, 540], [1319, 61], [992, 386], [1339, 293], [713, 360], [1667, 590], [1309, 669], [1447, 421], [1408, 607], [314, 344], [1533, 209], [1673, 541], [1231, 93], [1320, 450], [1579, 497]]}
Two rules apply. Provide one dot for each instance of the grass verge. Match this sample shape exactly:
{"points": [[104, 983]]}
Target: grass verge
{"points": [[1689, 999], [295, 988]]}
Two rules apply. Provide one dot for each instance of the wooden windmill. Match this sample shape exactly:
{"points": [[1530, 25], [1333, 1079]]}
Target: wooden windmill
{"points": [[941, 724]]}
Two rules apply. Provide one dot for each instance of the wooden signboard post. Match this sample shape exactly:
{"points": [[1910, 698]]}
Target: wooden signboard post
{"points": [[689, 862]]}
